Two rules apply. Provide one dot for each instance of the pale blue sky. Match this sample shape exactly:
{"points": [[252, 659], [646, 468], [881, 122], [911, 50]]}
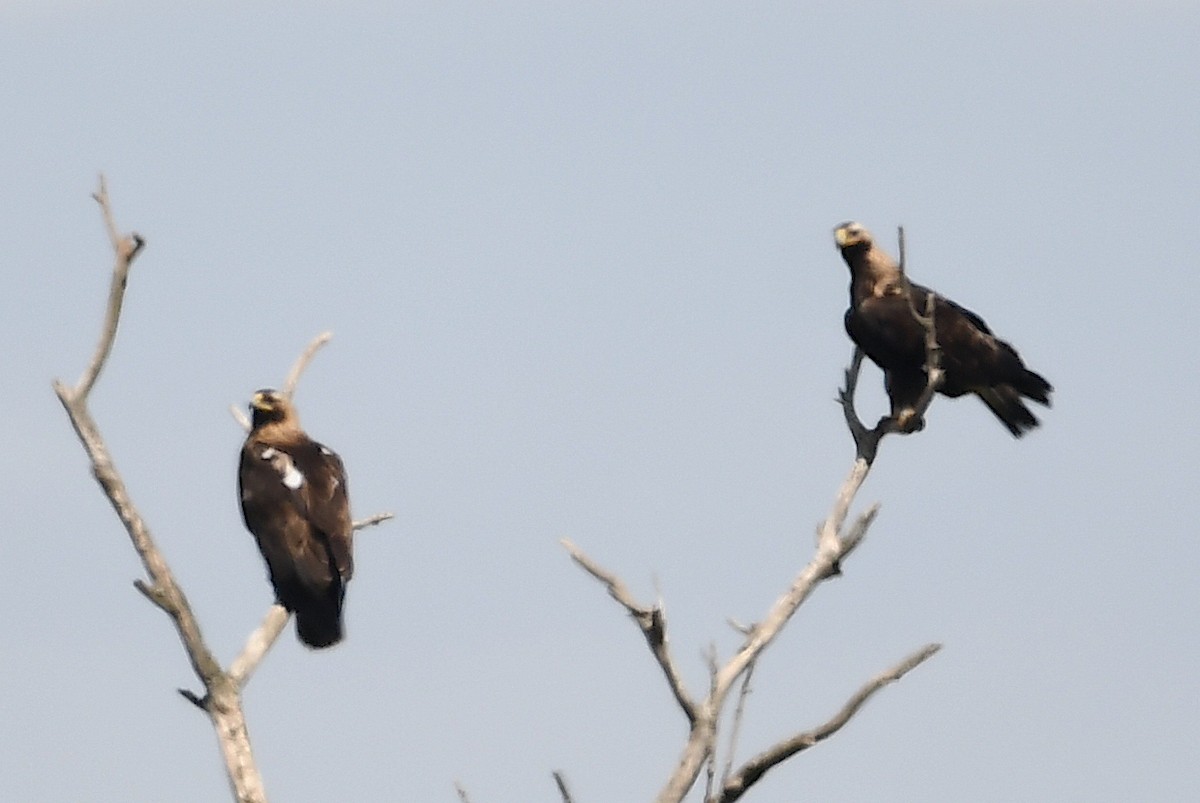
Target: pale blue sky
{"points": [[578, 263]]}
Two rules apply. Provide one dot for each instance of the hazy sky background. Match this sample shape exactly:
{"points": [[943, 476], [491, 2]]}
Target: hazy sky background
{"points": [[578, 262]]}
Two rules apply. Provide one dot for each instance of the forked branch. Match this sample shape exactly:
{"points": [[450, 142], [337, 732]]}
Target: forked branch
{"points": [[835, 541], [652, 622], [754, 769], [221, 699]]}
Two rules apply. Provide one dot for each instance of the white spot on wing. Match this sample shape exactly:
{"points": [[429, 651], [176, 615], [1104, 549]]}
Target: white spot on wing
{"points": [[282, 462], [292, 478]]}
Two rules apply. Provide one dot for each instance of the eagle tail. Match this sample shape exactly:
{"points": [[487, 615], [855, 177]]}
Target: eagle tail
{"points": [[1005, 402], [1033, 386], [319, 621]]}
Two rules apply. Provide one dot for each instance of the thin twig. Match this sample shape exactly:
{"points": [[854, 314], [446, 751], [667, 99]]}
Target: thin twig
{"points": [[293, 377], [561, 782], [650, 620], [754, 769], [371, 521], [736, 726], [462, 793], [710, 762], [240, 417], [125, 250]]}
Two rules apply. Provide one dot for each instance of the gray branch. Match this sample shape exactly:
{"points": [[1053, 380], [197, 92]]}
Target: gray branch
{"points": [[221, 701], [835, 542], [651, 621], [753, 770], [293, 377], [222, 689], [561, 782]]}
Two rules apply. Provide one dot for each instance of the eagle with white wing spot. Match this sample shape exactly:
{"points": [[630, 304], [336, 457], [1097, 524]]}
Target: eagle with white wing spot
{"points": [[294, 501], [882, 321]]}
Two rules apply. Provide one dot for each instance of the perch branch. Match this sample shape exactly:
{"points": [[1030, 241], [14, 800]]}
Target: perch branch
{"points": [[754, 769], [221, 700], [835, 541], [258, 644], [262, 639]]}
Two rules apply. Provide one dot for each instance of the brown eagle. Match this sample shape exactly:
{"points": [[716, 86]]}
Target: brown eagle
{"points": [[294, 501], [881, 321]]}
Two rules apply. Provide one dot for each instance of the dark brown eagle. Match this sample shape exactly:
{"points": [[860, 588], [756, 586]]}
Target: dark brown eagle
{"points": [[881, 321], [294, 501]]}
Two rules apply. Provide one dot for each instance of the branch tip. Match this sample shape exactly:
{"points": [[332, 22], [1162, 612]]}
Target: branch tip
{"points": [[194, 699], [293, 377]]}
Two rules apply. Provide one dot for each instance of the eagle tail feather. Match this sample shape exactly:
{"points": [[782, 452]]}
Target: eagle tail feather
{"points": [[1034, 386], [319, 622], [1005, 403]]}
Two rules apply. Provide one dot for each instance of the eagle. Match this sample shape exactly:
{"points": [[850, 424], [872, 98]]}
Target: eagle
{"points": [[882, 321], [294, 501]]}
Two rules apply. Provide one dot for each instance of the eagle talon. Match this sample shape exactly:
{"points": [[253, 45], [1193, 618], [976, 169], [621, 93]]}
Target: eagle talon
{"points": [[909, 422]]}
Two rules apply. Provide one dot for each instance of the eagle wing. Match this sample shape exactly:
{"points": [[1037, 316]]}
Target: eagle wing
{"points": [[294, 501], [326, 501]]}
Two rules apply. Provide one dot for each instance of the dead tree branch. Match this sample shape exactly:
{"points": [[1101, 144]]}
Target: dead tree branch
{"points": [[561, 782], [835, 542], [221, 699], [753, 770], [222, 689], [652, 622], [293, 377]]}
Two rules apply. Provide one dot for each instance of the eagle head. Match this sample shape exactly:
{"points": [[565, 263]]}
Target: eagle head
{"points": [[850, 234], [267, 406]]}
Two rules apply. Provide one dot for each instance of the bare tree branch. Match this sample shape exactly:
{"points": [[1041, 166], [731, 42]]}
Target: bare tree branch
{"points": [[221, 699], [258, 645], [754, 769], [835, 541], [371, 521], [293, 377], [125, 250], [561, 782], [650, 620], [739, 713], [240, 417], [462, 793]]}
